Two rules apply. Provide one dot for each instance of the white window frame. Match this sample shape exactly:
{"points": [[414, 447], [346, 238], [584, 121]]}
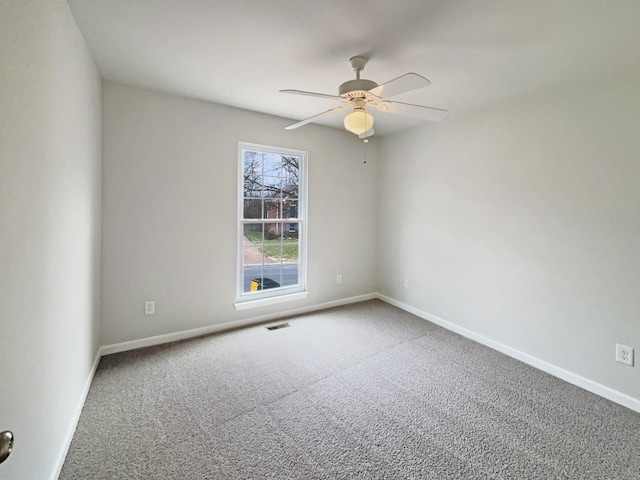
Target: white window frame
{"points": [[246, 300]]}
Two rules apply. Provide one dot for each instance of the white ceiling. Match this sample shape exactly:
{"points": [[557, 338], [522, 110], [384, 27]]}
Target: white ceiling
{"points": [[241, 52]]}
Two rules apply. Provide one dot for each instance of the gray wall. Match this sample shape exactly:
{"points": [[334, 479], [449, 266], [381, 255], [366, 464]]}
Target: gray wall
{"points": [[170, 170], [521, 223], [49, 231]]}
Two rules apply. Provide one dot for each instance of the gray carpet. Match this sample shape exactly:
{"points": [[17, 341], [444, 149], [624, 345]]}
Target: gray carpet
{"points": [[362, 391]]}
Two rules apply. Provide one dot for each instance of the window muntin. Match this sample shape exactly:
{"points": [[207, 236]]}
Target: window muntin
{"points": [[272, 222]]}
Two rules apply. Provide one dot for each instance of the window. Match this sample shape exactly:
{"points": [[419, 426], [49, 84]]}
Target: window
{"points": [[271, 225]]}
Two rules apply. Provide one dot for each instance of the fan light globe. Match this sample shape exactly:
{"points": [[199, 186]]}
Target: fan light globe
{"points": [[358, 121]]}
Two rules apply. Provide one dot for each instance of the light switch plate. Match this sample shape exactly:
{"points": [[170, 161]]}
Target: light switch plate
{"points": [[150, 307]]}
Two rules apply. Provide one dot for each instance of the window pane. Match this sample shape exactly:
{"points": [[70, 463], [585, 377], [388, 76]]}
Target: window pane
{"points": [[290, 208], [273, 232], [289, 250], [251, 190], [272, 209], [272, 187], [253, 186], [290, 274], [252, 174], [252, 256], [290, 170], [272, 164], [252, 208], [291, 231], [267, 277], [253, 232]]}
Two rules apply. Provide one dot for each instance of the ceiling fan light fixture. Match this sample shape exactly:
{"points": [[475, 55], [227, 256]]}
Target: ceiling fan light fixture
{"points": [[358, 121]]}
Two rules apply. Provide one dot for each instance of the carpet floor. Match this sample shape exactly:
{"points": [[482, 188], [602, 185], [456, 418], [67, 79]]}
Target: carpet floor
{"points": [[363, 391]]}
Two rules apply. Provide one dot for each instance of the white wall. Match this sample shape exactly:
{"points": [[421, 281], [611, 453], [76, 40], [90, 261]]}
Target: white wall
{"points": [[169, 211], [49, 231], [521, 223]]}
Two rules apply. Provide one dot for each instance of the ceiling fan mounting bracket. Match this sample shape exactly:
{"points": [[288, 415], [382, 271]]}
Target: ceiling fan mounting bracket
{"points": [[358, 63]]}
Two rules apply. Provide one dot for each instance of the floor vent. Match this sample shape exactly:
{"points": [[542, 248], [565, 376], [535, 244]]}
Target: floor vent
{"points": [[279, 325]]}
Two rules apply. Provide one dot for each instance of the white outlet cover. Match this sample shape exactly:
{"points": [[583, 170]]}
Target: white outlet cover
{"points": [[624, 354], [149, 307]]}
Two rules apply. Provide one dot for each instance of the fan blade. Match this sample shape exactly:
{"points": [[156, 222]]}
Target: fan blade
{"points": [[313, 94], [405, 83], [418, 111], [311, 119], [367, 134]]}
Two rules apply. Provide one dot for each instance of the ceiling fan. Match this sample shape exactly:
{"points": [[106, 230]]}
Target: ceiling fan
{"points": [[361, 93]]}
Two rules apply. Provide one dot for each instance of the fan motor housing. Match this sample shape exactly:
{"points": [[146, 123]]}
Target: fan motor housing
{"points": [[356, 86]]}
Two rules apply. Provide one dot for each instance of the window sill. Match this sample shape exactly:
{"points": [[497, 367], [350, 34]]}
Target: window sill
{"points": [[263, 302]]}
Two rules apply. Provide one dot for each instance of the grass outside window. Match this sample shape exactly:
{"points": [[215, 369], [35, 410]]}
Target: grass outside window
{"points": [[278, 248]]}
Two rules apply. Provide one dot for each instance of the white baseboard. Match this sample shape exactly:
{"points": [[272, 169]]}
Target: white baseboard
{"points": [[587, 384], [76, 417], [196, 332]]}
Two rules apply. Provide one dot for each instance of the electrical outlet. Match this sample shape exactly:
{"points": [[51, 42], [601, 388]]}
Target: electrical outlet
{"points": [[624, 354], [406, 283], [150, 307], [339, 279]]}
